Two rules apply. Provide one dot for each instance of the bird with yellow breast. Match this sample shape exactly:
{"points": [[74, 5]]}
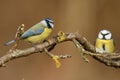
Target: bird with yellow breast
{"points": [[105, 42], [37, 33]]}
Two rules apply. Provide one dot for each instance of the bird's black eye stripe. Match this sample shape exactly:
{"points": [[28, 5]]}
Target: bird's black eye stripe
{"points": [[104, 34], [49, 26]]}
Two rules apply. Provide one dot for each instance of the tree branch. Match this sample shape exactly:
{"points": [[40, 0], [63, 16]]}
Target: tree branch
{"points": [[81, 43]]}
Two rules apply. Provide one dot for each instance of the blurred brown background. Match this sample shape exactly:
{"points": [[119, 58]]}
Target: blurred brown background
{"points": [[85, 16]]}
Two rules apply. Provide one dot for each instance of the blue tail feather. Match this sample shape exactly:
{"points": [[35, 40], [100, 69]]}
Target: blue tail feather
{"points": [[9, 42]]}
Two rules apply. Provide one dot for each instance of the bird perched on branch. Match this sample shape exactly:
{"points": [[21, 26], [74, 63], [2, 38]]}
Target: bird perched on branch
{"points": [[105, 42], [37, 33]]}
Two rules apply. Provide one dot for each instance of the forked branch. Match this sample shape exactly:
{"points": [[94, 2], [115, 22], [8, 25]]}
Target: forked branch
{"points": [[81, 43]]}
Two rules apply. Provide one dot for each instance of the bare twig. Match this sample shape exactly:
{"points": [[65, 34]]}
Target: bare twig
{"points": [[81, 43]]}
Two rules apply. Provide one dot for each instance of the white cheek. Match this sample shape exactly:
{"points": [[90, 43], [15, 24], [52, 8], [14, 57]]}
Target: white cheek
{"points": [[52, 25], [109, 36], [100, 36], [43, 22]]}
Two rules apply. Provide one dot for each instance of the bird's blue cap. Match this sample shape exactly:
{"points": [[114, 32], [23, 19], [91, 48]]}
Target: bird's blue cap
{"points": [[48, 19]]}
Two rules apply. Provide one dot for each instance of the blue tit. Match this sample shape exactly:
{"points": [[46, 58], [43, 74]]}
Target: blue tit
{"points": [[37, 33], [105, 42]]}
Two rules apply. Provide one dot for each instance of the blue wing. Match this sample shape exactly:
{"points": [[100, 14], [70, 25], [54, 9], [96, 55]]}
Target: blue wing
{"points": [[32, 32]]}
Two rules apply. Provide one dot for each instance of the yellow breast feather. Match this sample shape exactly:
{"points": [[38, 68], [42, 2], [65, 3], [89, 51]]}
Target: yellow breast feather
{"points": [[106, 45], [39, 38]]}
